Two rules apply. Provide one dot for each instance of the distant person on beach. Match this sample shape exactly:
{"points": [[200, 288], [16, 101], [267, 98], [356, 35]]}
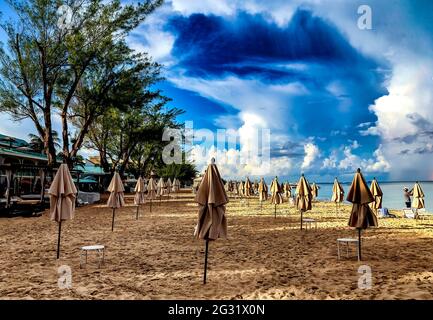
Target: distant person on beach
{"points": [[406, 195]]}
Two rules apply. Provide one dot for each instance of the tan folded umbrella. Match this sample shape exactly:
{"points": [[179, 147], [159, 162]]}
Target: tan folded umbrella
{"points": [[377, 193], [303, 197], [287, 190], [139, 197], [418, 198], [227, 186], [263, 191], [256, 187], [337, 194], [242, 189], [247, 188], [168, 186], [62, 199], [276, 197], [160, 189], [361, 217], [211, 198], [314, 190], [175, 186], [116, 200], [151, 191]]}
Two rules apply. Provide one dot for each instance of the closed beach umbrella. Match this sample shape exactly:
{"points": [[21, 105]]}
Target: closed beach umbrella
{"points": [[211, 198], [314, 190], [160, 187], [176, 185], [255, 187], [168, 186], [151, 191], [337, 194], [361, 217], [377, 193], [303, 196], [418, 198], [247, 187], [263, 191], [276, 197], [62, 199], [139, 197], [241, 189], [227, 186], [116, 199], [236, 188], [287, 190]]}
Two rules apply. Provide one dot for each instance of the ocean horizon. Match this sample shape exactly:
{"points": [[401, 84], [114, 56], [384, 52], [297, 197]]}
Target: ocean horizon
{"points": [[392, 192]]}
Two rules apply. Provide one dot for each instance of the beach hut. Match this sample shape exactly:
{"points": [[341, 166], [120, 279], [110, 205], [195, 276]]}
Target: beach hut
{"points": [[151, 191], [337, 194], [361, 217], [115, 200], [418, 198], [211, 198], [303, 197], [377, 193], [62, 199], [139, 197], [276, 197]]}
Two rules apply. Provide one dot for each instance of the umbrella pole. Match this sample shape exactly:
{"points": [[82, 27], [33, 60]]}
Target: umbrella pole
{"points": [[136, 217], [302, 213], [205, 261], [112, 220], [150, 205], [359, 243], [275, 211], [58, 240]]}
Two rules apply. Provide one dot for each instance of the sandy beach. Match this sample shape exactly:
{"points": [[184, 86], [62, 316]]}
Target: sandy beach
{"points": [[157, 256]]}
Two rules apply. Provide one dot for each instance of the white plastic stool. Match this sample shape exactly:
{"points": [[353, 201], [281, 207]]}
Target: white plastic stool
{"points": [[309, 222], [100, 250], [347, 241]]}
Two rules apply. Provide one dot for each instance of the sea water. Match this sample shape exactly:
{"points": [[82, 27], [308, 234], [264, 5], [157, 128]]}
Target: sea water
{"points": [[392, 193]]}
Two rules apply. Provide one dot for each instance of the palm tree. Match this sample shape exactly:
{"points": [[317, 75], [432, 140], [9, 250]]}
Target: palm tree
{"points": [[37, 144]]}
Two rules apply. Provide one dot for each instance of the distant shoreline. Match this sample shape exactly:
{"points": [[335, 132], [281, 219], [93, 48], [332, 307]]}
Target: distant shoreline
{"points": [[384, 182]]}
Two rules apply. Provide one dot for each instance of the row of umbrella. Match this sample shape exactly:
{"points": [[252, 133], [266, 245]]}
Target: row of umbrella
{"points": [[249, 189], [63, 195], [212, 199]]}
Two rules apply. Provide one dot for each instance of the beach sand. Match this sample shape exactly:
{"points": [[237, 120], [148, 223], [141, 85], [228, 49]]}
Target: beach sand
{"points": [[157, 256]]}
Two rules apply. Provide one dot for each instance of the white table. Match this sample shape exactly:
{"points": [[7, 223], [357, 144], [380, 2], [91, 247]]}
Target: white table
{"points": [[347, 241], [100, 251], [309, 222]]}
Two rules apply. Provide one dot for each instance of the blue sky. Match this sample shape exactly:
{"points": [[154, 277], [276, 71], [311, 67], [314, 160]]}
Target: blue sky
{"points": [[335, 97]]}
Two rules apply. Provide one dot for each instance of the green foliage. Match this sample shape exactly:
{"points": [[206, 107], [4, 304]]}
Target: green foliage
{"points": [[185, 172], [43, 66]]}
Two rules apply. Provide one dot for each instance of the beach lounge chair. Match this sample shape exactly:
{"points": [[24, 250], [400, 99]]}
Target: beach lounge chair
{"points": [[423, 214], [408, 213]]}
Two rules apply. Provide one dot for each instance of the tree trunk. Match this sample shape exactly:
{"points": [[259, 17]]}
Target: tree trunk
{"points": [[48, 139]]}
